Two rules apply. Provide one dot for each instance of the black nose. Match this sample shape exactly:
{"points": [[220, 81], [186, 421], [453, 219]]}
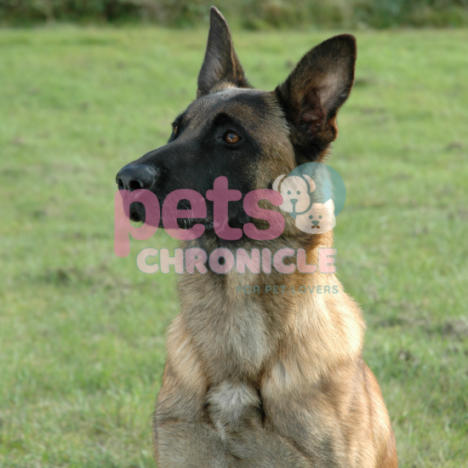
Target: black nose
{"points": [[136, 177]]}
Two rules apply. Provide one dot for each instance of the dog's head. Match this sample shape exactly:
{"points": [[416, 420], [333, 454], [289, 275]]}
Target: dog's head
{"points": [[248, 136]]}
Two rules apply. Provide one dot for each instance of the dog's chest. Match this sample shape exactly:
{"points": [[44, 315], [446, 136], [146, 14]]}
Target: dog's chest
{"points": [[232, 405], [232, 338]]}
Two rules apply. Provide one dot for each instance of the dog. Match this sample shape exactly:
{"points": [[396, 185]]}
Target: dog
{"points": [[261, 380]]}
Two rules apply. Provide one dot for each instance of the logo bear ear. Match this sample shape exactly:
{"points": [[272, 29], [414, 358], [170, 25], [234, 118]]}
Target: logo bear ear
{"points": [[277, 182], [330, 205], [310, 181]]}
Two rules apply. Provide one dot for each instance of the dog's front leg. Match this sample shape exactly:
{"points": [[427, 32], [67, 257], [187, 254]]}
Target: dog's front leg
{"points": [[182, 436], [260, 448], [329, 420], [182, 444], [235, 411]]}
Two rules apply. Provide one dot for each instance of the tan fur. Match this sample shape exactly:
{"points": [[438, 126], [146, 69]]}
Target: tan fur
{"points": [[265, 380], [297, 361]]}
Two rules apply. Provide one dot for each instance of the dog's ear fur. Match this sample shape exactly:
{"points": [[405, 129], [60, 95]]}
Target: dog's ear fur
{"points": [[221, 63], [313, 93]]}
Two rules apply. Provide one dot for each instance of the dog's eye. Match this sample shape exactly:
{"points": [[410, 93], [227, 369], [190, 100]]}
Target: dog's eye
{"points": [[231, 137], [175, 129]]}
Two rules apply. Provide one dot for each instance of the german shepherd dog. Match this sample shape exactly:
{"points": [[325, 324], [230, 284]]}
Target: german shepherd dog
{"points": [[261, 380]]}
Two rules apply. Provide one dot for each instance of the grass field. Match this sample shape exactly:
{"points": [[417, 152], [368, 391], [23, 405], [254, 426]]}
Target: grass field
{"points": [[82, 331]]}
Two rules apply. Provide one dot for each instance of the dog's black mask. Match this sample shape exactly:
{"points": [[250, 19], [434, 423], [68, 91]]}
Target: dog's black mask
{"points": [[210, 139]]}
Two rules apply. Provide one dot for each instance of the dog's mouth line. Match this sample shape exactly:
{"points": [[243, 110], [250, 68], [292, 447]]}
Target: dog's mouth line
{"points": [[139, 216]]}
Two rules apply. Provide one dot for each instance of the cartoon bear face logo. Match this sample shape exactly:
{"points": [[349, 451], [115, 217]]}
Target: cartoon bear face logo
{"points": [[318, 219], [296, 192], [313, 194]]}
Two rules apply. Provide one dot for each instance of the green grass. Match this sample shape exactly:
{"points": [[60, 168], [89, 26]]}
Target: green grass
{"points": [[82, 331]]}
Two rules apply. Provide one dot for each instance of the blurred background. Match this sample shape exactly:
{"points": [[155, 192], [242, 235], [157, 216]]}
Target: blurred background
{"points": [[250, 14], [87, 86]]}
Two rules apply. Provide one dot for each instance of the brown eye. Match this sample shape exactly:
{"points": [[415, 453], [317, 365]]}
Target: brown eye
{"points": [[175, 129], [231, 138]]}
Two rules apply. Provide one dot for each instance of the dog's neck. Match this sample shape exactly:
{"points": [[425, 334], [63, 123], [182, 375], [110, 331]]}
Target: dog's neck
{"points": [[266, 287], [242, 318]]}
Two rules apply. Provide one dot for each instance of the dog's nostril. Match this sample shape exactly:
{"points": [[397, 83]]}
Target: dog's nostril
{"points": [[135, 177], [134, 185]]}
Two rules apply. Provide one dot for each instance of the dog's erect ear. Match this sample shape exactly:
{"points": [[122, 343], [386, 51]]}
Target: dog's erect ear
{"points": [[315, 90], [221, 63]]}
